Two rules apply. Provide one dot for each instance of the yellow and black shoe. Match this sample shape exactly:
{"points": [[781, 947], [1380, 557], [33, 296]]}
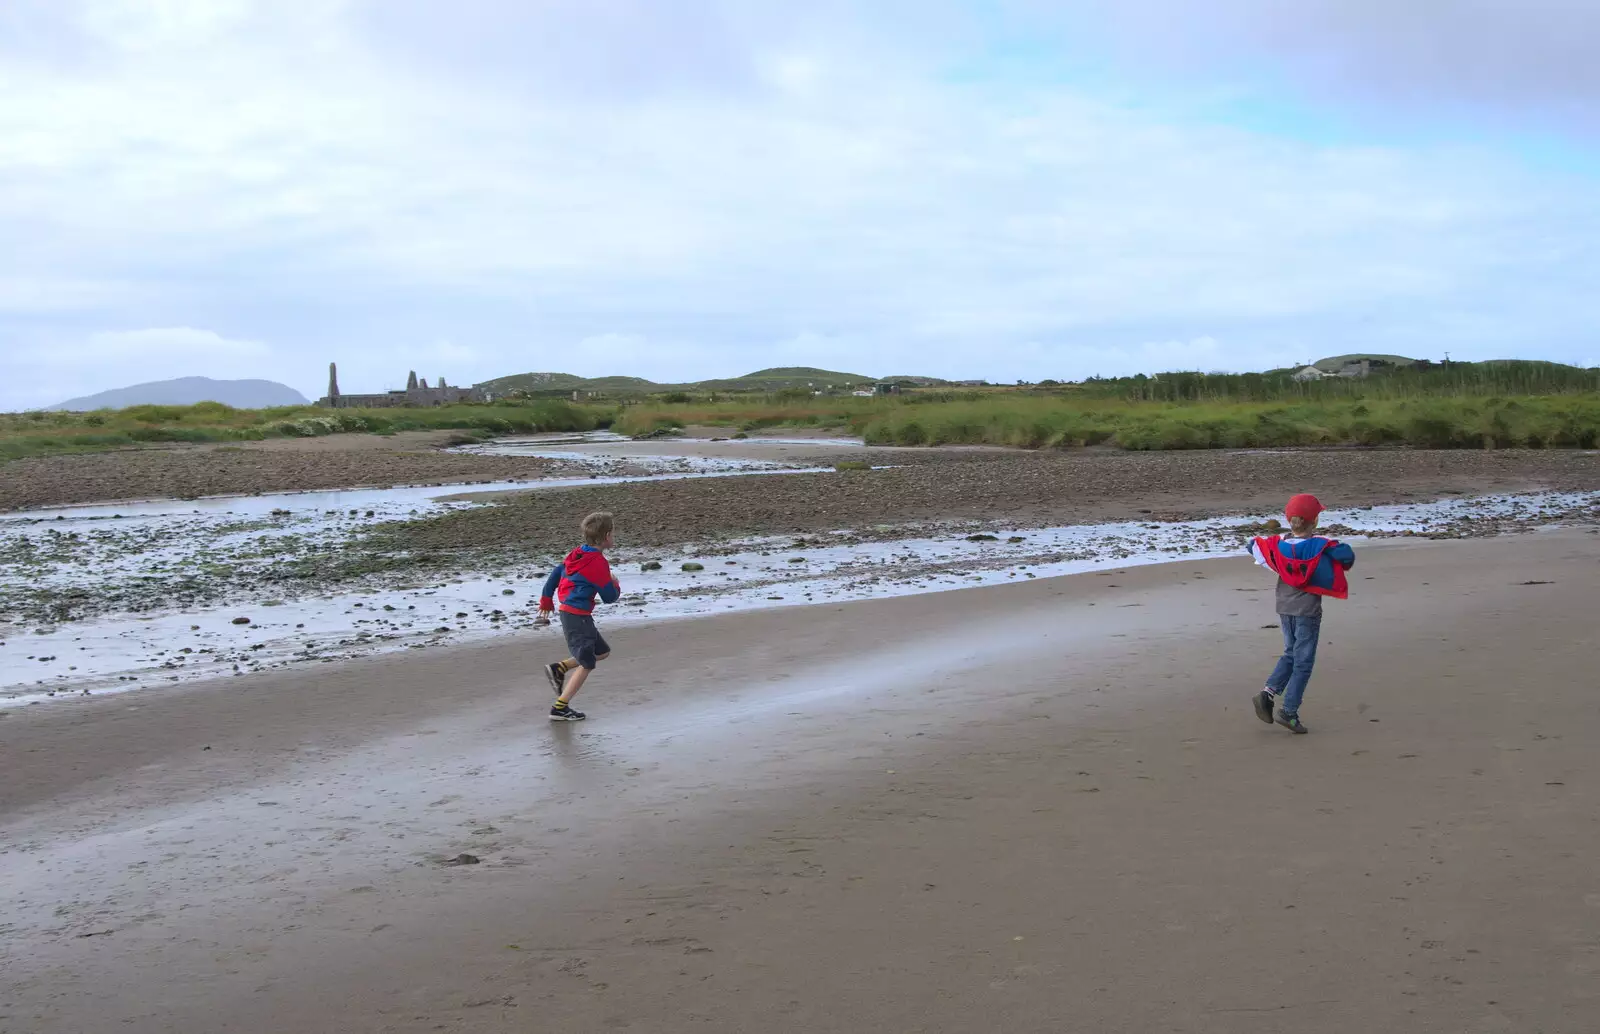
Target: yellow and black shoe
{"points": [[560, 712]]}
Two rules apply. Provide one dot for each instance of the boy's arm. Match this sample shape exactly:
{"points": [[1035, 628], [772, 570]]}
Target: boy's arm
{"points": [[1343, 555], [547, 598], [611, 591]]}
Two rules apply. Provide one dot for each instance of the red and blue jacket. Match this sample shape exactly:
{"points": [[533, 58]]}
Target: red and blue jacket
{"points": [[578, 581], [1316, 565]]}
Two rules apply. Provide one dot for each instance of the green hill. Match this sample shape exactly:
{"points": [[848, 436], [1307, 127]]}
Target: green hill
{"points": [[776, 379], [1339, 362], [779, 378], [534, 382]]}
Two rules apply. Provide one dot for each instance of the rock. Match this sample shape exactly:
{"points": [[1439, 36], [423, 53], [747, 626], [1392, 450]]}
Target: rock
{"points": [[650, 565], [694, 567], [508, 592], [983, 538], [462, 859], [241, 621]]}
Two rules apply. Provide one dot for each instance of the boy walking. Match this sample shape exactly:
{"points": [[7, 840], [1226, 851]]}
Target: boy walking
{"points": [[577, 583], [1308, 567]]}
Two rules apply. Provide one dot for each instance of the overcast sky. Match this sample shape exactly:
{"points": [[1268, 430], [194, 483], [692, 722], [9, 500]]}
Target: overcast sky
{"points": [[997, 188]]}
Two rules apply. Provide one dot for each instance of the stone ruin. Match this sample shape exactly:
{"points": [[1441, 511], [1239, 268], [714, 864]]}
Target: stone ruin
{"points": [[415, 393]]}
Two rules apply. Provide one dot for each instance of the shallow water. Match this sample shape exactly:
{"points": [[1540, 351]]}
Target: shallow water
{"points": [[124, 651]]}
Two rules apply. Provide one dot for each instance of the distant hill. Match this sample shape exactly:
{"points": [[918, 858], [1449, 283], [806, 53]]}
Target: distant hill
{"points": [[1336, 363], [186, 391], [534, 382], [776, 379], [779, 378], [921, 382], [1339, 362]]}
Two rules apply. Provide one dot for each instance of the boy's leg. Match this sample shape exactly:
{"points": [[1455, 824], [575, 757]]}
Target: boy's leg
{"points": [[557, 672], [1306, 633], [1281, 673], [590, 655], [575, 680], [585, 642]]}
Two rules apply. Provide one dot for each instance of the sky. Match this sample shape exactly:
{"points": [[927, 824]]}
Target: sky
{"points": [[1004, 189]]}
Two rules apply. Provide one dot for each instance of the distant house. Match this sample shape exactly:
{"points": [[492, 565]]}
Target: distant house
{"points": [[863, 394], [1309, 373]]}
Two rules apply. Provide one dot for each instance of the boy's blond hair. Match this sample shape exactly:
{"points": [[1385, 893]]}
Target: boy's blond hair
{"points": [[597, 527], [1302, 526]]}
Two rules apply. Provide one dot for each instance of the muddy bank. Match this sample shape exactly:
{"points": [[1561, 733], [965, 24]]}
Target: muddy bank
{"points": [[999, 487], [188, 473]]}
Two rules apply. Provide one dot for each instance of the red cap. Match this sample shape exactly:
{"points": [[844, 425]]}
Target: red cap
{"points": [[1304, 506]]}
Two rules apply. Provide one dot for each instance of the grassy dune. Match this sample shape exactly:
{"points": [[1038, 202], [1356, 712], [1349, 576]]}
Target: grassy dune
{"points": [[1446, 412], [1558, 421], [40, 433], [1072, 421]]}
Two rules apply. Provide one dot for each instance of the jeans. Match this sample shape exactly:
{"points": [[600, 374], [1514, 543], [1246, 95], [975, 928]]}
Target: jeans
{"points": [[1289, 678]]}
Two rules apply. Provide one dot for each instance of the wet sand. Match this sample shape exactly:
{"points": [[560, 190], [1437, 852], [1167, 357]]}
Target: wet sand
{"points": [[243, 468], [995, 489], [1034, 807]]}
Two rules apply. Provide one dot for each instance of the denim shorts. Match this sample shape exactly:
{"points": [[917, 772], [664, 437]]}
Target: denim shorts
{"points": [[584, 640]]}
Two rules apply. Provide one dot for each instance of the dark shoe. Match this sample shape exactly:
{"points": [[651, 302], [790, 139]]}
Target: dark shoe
{"points": [[558, 678], [565, 713], [1263, 704], [1293, 724]]}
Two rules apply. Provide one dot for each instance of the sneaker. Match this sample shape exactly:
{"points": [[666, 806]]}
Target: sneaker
{"points": [[1263, 704], [1293, 724], [558, 678], [565, 713]]}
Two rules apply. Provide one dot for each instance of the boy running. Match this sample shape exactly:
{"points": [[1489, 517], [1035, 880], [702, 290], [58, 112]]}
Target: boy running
{"points": [[1308, 567], [577, 582]]}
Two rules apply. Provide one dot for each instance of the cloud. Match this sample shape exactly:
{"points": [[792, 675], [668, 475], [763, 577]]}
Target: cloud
{"points": [[1536, 59], [113, 359], [32, 295], [162, 344], [701, 189]]}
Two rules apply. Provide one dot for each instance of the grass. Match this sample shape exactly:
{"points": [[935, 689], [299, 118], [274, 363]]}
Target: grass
{"points": [[41, 433], [1487, 380], [1552, 421], [752, 414], [1553, 407]]}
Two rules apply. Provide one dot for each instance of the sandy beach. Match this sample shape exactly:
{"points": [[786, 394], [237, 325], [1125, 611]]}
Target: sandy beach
{"points": [[1042, 806]]}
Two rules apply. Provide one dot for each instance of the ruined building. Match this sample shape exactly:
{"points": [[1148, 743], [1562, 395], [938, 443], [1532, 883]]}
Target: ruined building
{"points": [[415, 393]]}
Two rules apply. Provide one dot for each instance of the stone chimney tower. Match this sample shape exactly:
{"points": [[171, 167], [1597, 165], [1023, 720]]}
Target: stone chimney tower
{"points": [[333, 383], [411, 381]]}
